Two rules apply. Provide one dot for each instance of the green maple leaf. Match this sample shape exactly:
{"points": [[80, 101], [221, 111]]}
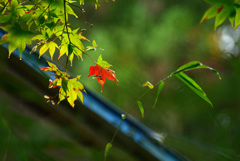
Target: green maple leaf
{"points": [[17, 38], [103, 63], [51, 46], [70, 90], [13, 8]]}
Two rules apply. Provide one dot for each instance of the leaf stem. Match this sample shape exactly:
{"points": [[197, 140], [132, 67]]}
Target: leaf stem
{"points": [[45, 9], [65, 16], [81, 10], [130, 109], [65, 25], [114, 135], [85, 53]]}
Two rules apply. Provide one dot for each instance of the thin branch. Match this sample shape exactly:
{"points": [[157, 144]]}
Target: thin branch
{"points": [[32, 2], [82, 9], [4, 7], [114, 135], [45, 9], [130, 109], [65, 16], [85, 53]]}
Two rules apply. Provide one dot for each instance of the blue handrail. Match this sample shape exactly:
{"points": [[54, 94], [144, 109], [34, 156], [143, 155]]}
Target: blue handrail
{"points": [[140, 134]]}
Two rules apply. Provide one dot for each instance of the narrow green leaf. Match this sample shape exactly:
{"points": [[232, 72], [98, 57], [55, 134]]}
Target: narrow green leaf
{"points": [[231, 20], [108, 146], [237, 17], [160, 87], [222, 15], [193, 65], [232, 17], [211, 12], [193, 85], [141, 108]]}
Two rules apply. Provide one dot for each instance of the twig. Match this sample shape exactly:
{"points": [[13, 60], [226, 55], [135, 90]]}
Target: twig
{"points": [[45, 9], [81, 10], [32, 2], [65, 16], [131, 108], [85, 53]]}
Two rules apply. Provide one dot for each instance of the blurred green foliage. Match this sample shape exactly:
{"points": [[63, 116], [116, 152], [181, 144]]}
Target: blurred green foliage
{"points": [[147, 40]]}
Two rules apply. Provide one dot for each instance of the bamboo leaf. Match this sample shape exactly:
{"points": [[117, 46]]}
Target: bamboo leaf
{"points": [[141, 108], [193, 85], [107, 148], [211, 12], [193, 65], [237, 17], [160, 87], [222, 15]]}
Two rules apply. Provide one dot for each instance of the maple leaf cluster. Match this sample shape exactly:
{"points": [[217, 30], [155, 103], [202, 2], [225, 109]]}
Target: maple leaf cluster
{"points": [[70, 89]]}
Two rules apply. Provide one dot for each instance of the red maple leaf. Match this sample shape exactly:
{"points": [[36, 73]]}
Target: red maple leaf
{"points": [[101, 73]]}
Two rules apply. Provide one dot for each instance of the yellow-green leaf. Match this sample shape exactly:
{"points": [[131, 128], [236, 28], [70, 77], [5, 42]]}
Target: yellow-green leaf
{"points": [[81, 2], [147, 83], [72, 94], [62, 95], [38, 37], [63, 50], [52, 45], [43, 49], [103, 63], [16, 37]]}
